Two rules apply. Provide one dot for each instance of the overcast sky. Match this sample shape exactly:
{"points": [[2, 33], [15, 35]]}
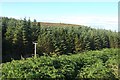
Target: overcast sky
{"points": [[95, 14]]}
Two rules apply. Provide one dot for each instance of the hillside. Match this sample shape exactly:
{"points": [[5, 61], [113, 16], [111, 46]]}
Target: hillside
{"points": [[18, 37], [46, 24]]}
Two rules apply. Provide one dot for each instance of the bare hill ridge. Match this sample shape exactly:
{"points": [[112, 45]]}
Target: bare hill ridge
{"points": [[49, 24]]}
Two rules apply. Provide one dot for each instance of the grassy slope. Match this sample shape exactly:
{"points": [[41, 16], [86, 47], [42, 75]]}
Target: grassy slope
{"points": [[57, 24], [48, 24], [92, 64]]}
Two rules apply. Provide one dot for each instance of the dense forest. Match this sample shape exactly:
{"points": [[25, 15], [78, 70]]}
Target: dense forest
{"points": [[64, 51], [18, 37]]}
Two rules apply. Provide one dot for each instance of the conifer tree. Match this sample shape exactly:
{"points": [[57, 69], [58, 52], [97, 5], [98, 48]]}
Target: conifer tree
{"points": [[78, 46]]}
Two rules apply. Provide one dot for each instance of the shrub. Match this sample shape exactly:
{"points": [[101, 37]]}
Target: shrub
{"points": [[92, 64]]}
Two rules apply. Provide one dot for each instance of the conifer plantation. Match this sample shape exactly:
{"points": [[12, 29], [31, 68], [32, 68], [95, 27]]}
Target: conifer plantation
{"points": [[64, 51], [18, 35]]}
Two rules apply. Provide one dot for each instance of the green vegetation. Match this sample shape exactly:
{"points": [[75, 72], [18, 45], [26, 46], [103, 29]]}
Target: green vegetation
{"points": [[64, 51], [92, 64], [18, 35]]}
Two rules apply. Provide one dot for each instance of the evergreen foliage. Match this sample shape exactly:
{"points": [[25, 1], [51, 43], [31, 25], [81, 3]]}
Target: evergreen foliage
{"points": [[18, 35]]}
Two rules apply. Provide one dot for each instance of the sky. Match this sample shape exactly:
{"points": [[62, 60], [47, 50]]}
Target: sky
{"points": [[95, 14]]}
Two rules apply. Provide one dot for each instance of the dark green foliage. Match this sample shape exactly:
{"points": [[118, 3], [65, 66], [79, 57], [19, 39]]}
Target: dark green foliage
{"points": [[92, 64], [18, 36]]}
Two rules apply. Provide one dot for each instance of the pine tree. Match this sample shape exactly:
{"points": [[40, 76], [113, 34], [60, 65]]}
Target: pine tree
{"points": [[97, 42], [78, 45], [36, 29]]}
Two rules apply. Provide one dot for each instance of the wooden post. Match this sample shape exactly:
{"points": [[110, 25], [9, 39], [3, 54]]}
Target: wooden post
{"points": [[34, 49]]}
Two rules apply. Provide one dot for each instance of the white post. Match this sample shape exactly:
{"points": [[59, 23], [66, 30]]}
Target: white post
{"points": [[35, 49]]}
